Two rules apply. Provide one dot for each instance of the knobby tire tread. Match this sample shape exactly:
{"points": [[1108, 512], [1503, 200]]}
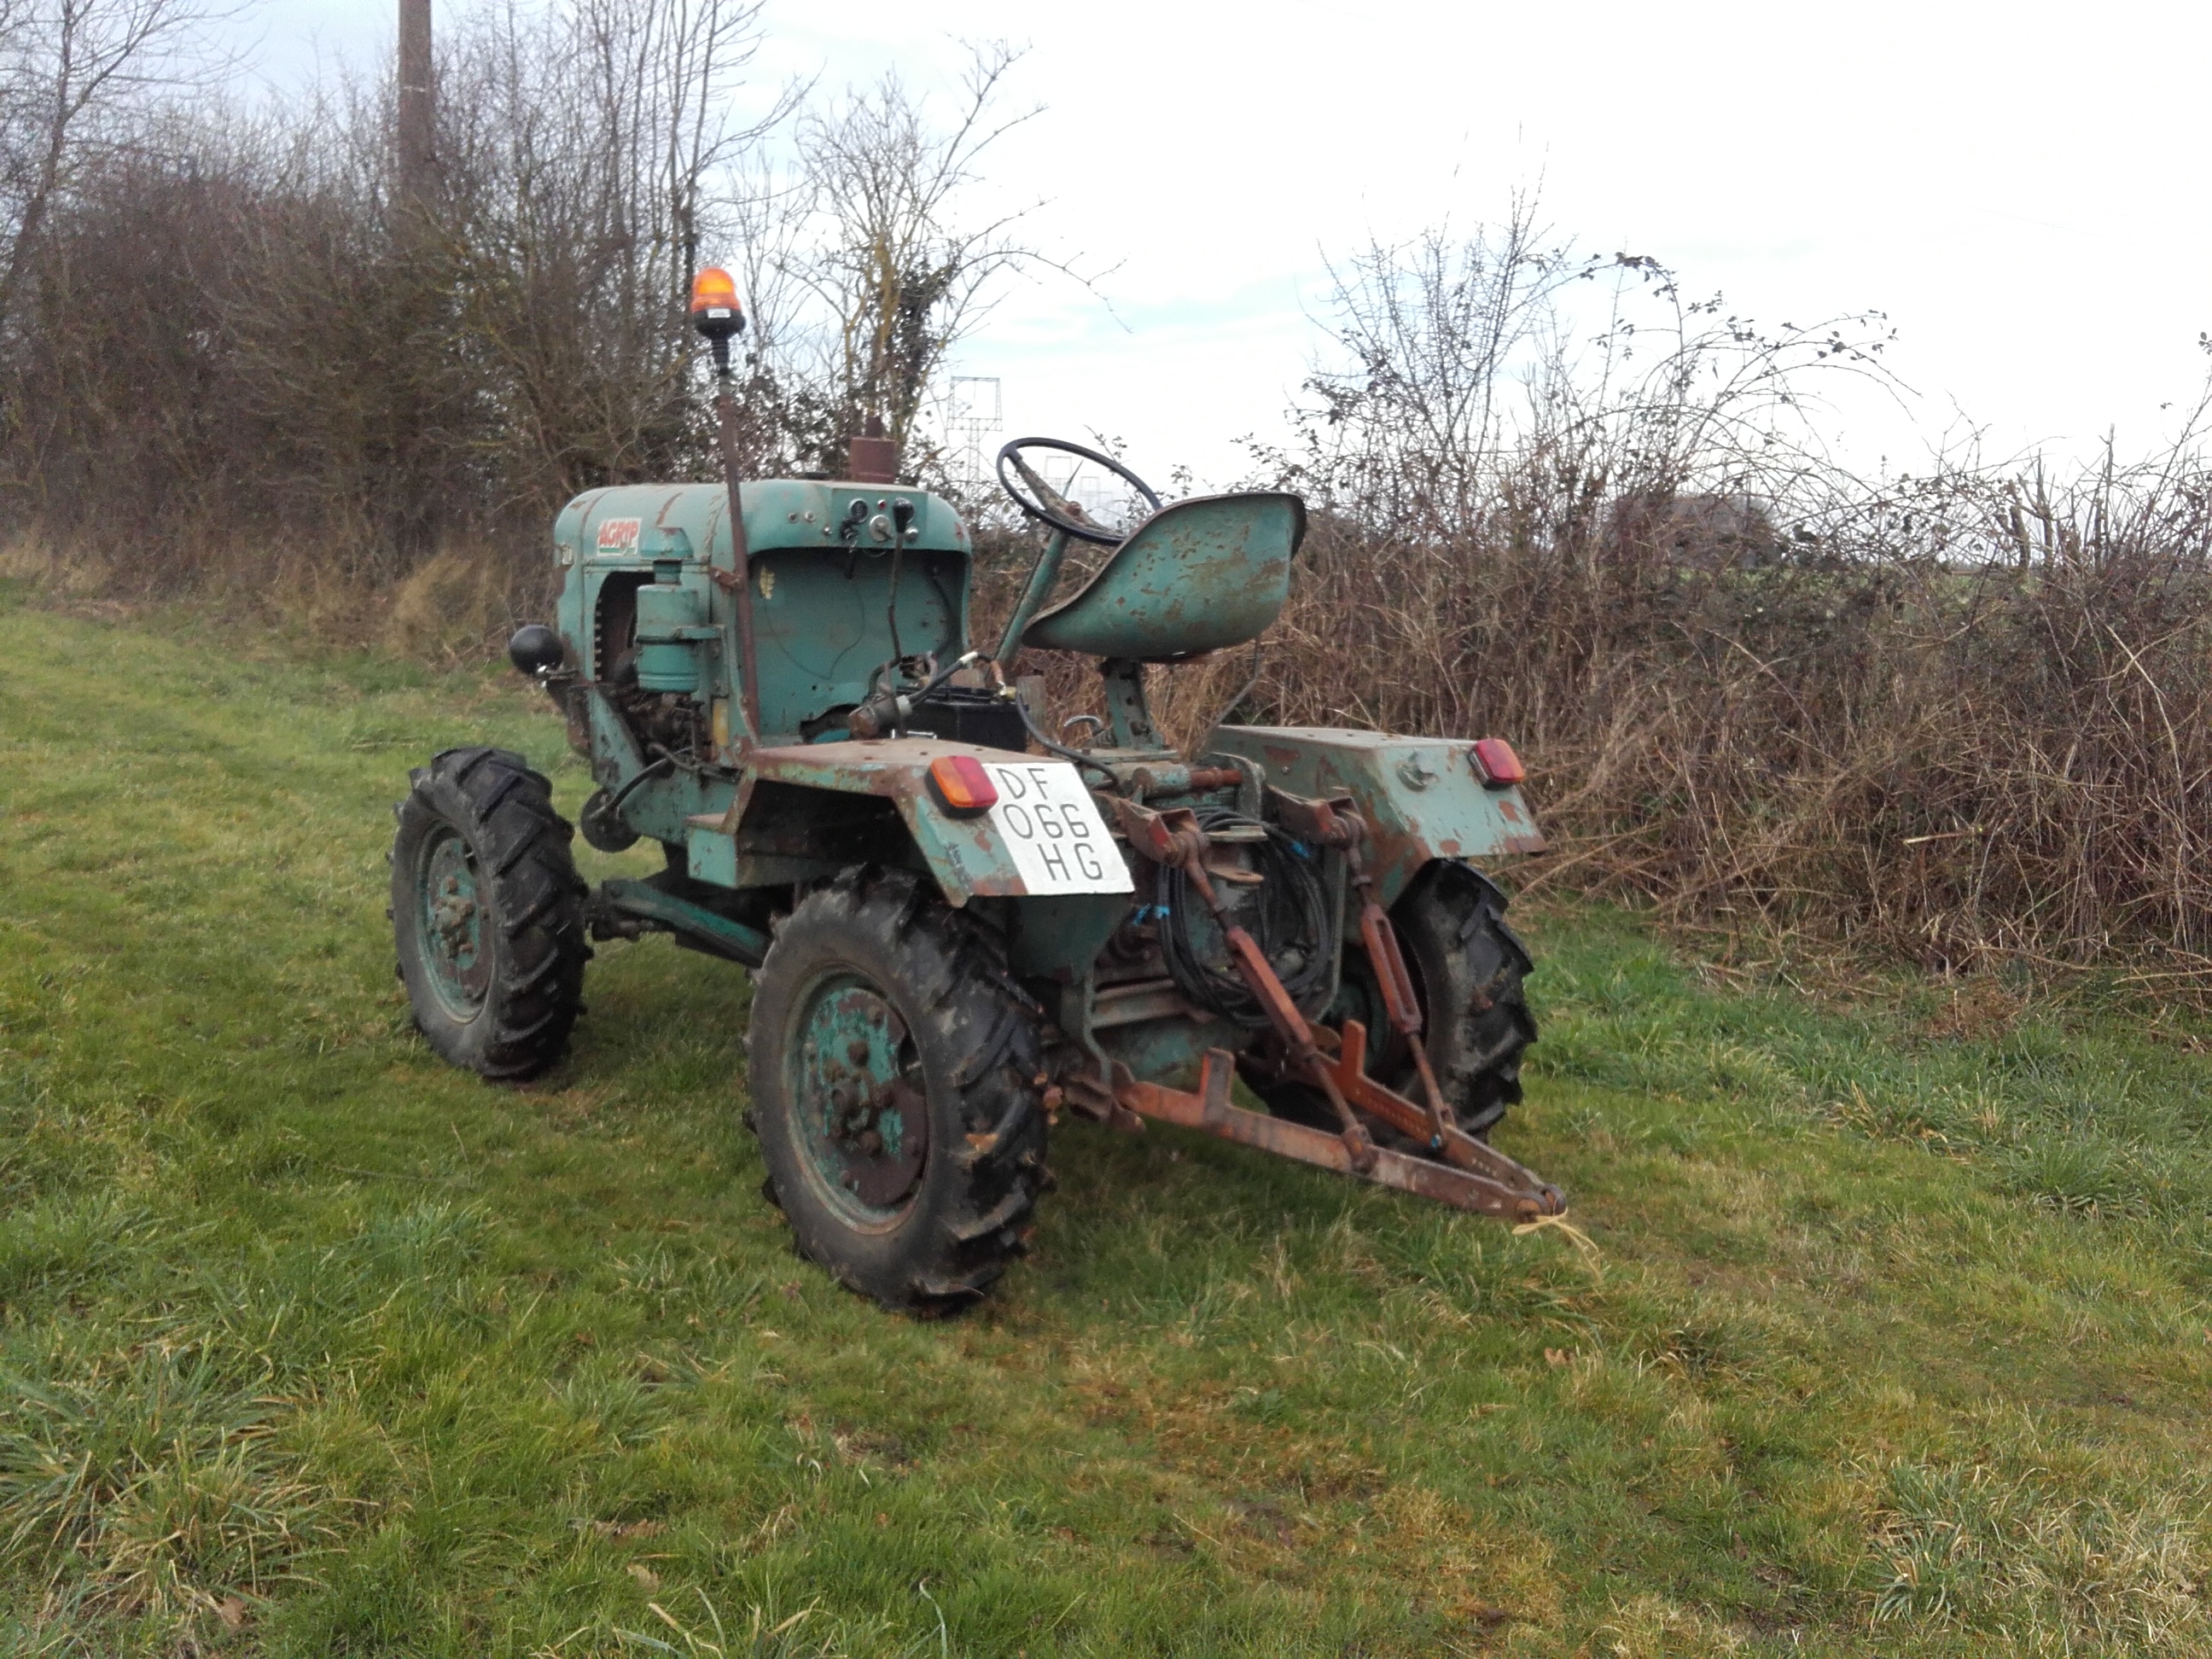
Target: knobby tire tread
{"points": [[505, 811], [1452, 922], [987, 1031]]}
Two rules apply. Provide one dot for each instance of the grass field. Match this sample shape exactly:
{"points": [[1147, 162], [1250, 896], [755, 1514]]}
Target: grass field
{"points": [[1897, 1342]]}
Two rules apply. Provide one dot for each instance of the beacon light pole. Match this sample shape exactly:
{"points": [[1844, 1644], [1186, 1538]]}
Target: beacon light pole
{"points": [[719, 319]]}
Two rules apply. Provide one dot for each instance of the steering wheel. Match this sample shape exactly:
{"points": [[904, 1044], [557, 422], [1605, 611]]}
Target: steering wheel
{"points": [[1022, 467]]}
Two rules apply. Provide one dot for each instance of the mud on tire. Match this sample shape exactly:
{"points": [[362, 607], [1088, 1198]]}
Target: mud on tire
{"points": [[488, 914], [882, 1011]]}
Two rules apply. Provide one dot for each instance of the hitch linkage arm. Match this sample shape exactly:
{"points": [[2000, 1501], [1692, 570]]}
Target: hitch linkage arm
{"points": [[1482, 1179], [1173, 839]]}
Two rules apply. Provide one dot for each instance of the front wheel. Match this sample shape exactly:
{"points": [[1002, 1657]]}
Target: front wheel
{"points": [[488, 914], [895, 1075]]}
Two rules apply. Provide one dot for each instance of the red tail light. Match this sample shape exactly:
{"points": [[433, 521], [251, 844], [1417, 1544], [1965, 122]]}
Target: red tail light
{"points": [[961, 785], [1496, 763]]}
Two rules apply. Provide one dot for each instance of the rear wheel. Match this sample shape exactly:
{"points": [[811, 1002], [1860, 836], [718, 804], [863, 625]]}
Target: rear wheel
{"points": [[488, 914], [1467, 968], [895, 1077]]}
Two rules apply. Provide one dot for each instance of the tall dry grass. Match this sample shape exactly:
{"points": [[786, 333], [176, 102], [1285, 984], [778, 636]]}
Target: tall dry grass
{"points": [[1962, 715], [1948, 758]]}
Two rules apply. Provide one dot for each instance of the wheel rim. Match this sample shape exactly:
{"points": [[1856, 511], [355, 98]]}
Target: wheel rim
{"points": [[856, 1088], [1358, 997], [451, 926]]}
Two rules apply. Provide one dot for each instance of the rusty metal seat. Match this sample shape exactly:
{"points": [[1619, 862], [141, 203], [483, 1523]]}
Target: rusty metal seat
{"points": [[1199, 574]]}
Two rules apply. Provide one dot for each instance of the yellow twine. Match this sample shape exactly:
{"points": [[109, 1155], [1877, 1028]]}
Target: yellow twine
{"points": [[1592, 1256]]}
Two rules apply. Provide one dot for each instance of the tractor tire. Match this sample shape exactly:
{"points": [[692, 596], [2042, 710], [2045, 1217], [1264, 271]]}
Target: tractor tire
{"points": [[488, 914], [1467, 968], [896, 1076]]}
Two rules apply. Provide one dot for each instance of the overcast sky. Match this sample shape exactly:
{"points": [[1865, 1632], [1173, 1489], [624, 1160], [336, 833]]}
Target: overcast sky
{"points": [[2021, 188]]}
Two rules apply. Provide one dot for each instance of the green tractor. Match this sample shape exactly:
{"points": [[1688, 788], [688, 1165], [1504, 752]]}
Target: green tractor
{"points": [[964, 921]]}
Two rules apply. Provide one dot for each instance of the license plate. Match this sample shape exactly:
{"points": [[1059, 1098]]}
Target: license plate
{"points": [[1052, 827]]}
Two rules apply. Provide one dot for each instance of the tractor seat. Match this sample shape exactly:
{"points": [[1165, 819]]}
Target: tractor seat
{"points": [[1199, 574]]}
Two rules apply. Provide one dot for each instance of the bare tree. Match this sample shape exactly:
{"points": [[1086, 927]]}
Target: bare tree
{"points": [[69, 71], [1429, 334], [1463, 365], [901, 274], [587, 162]]}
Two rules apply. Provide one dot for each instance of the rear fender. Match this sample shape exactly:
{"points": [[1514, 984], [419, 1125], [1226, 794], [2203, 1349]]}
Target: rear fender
{"points": [[1422, 796], [970, 858]]}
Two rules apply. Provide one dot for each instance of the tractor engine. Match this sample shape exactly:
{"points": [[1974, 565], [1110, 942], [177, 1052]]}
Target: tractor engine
{"points": [[642, 661], [647, 636]]}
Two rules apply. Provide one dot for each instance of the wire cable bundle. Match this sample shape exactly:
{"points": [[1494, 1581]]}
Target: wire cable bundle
{"points": [[1292, 919]]}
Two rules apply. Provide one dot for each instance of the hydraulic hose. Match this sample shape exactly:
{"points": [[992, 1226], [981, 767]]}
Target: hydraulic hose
{"points": [[1292, 917], [650, 770]]}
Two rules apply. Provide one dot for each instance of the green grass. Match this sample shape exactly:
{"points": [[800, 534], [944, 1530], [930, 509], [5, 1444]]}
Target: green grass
{"points": [[1899, 1343]]}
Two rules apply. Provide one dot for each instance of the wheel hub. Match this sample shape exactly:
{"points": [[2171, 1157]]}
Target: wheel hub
{"points": [[864, 1115], [453, 927]]}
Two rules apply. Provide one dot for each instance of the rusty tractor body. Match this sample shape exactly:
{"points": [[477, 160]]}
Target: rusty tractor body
{"points": [[964, 921]]}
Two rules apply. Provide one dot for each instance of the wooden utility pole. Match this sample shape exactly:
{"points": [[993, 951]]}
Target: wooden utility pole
{"points": [[417, 136], [414, 274]]}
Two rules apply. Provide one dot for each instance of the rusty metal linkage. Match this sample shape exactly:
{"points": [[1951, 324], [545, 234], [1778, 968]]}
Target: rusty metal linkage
{"points": [[1521, 1193], [1174, 838], [1334, 823], [1480, 1177], [1209, 1109]]}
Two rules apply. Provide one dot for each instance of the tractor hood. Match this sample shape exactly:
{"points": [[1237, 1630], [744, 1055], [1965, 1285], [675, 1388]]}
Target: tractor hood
{"points": [[691, 521]]}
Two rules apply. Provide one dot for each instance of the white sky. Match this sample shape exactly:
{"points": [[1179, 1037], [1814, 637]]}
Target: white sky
{"points": [[2017, 186]]}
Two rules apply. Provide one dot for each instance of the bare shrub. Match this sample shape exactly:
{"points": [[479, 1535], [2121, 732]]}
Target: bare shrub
{"points": [[1956, 713], [71, 75], [237, 343]]}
